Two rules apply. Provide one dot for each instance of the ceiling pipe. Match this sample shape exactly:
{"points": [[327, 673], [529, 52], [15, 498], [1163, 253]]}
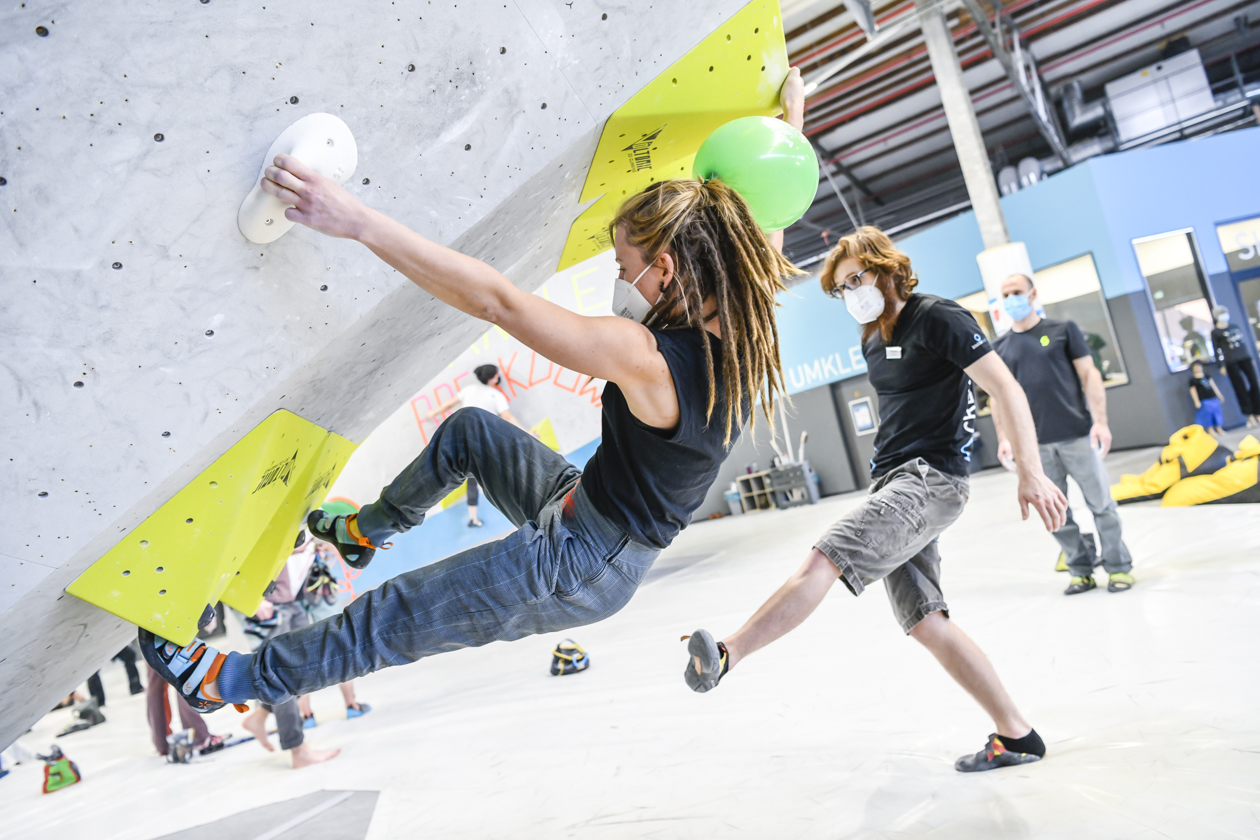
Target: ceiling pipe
{"points": [[1078, 113]]}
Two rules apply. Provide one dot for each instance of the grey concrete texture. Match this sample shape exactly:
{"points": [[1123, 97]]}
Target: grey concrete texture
{"points": [[141, 335]]}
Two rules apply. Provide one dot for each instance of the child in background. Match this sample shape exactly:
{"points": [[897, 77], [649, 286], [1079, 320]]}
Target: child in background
{"points": [[1207, 400]]}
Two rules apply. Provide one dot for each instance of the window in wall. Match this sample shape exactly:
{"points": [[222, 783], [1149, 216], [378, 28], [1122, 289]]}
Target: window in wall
{"points": [[1241, 243], [1071, 291], [1175, 281]]}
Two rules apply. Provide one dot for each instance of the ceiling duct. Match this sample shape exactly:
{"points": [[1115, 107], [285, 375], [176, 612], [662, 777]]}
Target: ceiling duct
{"points": [[1078, 113]]}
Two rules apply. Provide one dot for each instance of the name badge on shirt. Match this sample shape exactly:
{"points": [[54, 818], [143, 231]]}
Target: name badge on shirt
{"points": [[892, 352]]}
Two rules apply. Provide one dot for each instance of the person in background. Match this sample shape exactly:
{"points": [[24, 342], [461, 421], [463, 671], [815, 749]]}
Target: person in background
{"points": [[1194, 345], [483, 394], [1207, 400], [319, 600], [158, 702], [1235, 361], [1052, 363], [278, 614], [922, 354]]}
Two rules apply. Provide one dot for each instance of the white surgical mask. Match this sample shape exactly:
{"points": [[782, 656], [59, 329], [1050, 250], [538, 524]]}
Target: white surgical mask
{"points": [[865, 303], [628, 301]]}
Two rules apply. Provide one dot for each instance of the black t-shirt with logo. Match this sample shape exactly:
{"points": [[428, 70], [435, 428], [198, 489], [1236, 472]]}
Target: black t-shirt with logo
{"points": [[1041, 360], [926, 405], [1202, 386], [1230, 344]]}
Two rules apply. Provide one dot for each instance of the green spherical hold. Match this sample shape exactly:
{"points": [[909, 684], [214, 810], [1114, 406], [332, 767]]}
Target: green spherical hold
{"points": [[766, 161], [339, 508]]}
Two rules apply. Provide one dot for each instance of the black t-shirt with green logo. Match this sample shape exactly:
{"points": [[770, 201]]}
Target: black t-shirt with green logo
{"points": [[1041, 359], [926, 405]]}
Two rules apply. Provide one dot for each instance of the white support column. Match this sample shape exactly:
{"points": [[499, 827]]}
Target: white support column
{"points": [[1001, 257], [963, 127]]}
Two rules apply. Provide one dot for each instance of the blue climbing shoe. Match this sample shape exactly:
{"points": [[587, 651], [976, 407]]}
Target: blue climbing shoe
{"points": [[357, 710], [187, 668]]}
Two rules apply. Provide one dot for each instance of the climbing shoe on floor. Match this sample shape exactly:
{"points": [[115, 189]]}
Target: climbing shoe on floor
{"points": [[1079, 585], [706, 661], [187, 668], [308, 722], [994, 755], [1060, 566], [357, 551], [1236, 483], [1190, 452], [1120, 582], [569, 657], [358, 710]]}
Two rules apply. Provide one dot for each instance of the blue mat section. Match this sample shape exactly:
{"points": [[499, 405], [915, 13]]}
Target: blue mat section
{"points": [[445, 533]]}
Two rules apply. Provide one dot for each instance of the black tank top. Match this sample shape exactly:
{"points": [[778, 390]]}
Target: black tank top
{"points": [[649, 481]]}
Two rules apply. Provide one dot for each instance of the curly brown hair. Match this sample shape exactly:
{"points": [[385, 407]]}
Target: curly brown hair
{"points": [[872, 248]]}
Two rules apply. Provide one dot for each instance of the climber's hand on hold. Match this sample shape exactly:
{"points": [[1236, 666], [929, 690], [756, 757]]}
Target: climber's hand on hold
{"points": [[318, 202]]}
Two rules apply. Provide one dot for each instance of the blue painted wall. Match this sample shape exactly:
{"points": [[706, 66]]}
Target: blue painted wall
{"points": [[1097, 207]]}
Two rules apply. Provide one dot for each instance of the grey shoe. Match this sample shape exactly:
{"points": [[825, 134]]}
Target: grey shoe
{"points": [[705, 655]]}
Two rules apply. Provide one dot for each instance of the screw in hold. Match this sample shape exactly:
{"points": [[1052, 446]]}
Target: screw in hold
{"points": [[188, 521], [160, 569], [161, 591], [126, 572], [41, 31], [502, 50], [159, 137], [144, 543], [205, 2], [166, 434], [266, 221], [323, 288], [604, 16], [78, 384], [366, 182], [117, 266], [467, 146], [3, 181], [411, 68], [209, 332], [43, 493], [544, 107], [292, 100]]}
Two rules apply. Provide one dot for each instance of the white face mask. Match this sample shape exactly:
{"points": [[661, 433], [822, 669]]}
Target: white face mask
{"points": [[865, 303], [628, 301]]}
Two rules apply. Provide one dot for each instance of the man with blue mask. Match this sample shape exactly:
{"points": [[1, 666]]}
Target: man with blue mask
{"points": [[1234, 356], [1052, 362]]}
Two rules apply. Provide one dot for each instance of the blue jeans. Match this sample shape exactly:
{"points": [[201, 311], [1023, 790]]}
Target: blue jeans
{"points": [[567, 565]]}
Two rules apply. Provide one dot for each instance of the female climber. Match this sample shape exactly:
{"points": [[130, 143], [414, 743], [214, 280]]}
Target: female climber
{"points": [[696, 343]]}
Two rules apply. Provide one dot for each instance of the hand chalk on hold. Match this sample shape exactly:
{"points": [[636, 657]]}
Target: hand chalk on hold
{"points": [[321, 141]]}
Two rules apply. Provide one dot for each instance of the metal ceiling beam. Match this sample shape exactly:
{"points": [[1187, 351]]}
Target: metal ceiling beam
{"points": [[1029, 87]]}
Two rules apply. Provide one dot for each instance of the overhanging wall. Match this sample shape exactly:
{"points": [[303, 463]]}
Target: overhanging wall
{"points": [[130, 135]]}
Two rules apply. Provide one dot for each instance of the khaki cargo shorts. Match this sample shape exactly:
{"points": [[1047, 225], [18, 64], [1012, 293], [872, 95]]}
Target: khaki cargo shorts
{"points": [[892, 537]]}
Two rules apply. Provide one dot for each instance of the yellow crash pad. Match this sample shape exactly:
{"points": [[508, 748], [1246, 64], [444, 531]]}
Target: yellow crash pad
{"points": [[735, 72], [224, 536], [1190, 451], [1236, 483]]}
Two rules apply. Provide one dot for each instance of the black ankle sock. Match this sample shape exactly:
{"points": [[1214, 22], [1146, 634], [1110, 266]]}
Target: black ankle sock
{"points": [[1030, 743], [726, 663]]}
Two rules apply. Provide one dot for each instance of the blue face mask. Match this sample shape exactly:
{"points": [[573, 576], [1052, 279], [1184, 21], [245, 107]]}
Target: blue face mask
{"points": [[1017, 306]]}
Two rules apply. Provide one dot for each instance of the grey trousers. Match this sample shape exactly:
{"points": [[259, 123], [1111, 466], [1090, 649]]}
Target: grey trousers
{"points": [[1078, 459], [288, 716]]}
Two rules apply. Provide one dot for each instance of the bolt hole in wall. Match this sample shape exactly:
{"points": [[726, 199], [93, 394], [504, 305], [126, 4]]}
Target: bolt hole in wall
{"points": [[1177, 288]]}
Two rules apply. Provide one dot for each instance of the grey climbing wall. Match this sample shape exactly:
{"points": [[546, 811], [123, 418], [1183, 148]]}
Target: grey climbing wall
{"points": [[141, 335]]}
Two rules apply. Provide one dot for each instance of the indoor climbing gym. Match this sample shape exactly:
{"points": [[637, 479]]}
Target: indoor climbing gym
{"points": [[413, 413]]}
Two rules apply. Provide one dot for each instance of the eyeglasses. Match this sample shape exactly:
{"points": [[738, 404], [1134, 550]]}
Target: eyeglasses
{"points": [[850, 283]]}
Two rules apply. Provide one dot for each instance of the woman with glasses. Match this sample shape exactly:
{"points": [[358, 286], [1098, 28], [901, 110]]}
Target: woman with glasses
{"points": [[922, 354]]}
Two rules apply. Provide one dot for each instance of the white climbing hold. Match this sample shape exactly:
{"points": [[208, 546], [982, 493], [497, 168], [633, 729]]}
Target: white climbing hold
{"points": [[321, 141]]}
